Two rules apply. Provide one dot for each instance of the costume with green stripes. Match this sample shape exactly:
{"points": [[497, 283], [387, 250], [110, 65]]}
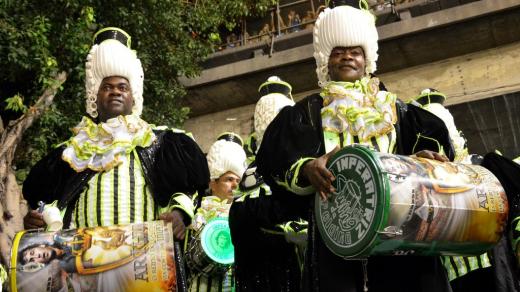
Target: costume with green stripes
{"points": [[138, 174]]}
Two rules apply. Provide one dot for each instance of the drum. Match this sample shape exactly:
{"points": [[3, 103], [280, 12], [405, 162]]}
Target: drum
{"points": [[135, 257], [400, 205], [211, 251]]}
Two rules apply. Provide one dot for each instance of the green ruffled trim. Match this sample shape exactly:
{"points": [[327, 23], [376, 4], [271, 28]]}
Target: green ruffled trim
{"points": [[440, 149], [367, 112], [292, 182], [179, 201], [92, 140], [93, 130], [254, 193], [361, 85]]}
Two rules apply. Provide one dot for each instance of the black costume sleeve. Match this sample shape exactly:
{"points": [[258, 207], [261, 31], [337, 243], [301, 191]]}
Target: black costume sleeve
{"points": [[506, 271], [292, 135], [418, 129], [178, 166], [47, 179]]}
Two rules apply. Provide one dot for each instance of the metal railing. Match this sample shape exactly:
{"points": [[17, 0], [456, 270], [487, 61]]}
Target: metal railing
{"points": [[277, 26]]}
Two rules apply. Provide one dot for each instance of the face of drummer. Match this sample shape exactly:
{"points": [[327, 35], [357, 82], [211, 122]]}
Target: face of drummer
{"points": [[347, 64], [224, 186]]}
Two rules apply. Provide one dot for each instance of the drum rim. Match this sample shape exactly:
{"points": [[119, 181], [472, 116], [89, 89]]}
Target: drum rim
{"points": [[369, 240]]}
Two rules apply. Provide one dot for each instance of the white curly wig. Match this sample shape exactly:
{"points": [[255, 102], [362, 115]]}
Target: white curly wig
{"points": [[112, 58], [344, 26], [266, 110]]}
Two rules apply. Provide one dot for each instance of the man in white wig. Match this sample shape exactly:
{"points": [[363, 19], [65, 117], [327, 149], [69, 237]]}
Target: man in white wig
{"points": [[227, 163], [264, 259], [351, 108], [275, 94], [116, 168]]}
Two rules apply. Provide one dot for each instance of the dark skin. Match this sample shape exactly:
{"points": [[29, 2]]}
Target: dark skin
{"points": [[115, 98], [345, 64]]}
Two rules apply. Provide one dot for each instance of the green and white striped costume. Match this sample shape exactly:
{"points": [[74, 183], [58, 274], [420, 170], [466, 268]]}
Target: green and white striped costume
{"points": [[117, 196]]}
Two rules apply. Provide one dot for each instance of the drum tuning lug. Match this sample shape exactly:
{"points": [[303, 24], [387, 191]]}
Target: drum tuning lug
{"points": [[391, 231]]}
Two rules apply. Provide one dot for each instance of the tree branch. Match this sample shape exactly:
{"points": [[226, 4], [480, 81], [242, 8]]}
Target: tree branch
{"points": [[12, 134]]}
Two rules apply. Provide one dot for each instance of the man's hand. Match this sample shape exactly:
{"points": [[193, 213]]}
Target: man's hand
{"points": [[177, 219], [316, 172], [33, 220], [432, 155]]}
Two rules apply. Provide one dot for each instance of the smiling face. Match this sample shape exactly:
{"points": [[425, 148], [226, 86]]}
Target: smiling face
{"points": [[114, 98], [347, 64]]}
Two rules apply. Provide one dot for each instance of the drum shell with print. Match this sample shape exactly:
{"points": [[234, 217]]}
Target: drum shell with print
{"points": [[389, 204], [211, 251]]}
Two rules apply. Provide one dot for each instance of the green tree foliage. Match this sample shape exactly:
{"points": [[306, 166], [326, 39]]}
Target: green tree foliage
{"points": [[38, 38]]}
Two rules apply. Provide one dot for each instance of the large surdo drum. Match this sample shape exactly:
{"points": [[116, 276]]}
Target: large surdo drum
{"points": [[399, 205]]}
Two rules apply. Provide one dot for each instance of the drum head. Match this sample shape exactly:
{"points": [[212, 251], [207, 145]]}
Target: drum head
{"points": [[216, 241], [349, 220]]}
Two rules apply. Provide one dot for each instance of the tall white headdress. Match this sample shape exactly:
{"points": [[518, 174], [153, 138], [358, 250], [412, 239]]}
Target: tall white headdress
{"points": [[111, 56], [344, 26]]}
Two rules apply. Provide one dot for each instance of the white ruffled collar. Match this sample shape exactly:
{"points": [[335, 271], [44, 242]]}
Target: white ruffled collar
{"points": [[102, 146], [359, 108]]}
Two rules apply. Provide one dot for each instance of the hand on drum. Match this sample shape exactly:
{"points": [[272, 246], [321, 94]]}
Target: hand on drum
{"points": [[432, 155], [316, 172], [33, 220], [177, 219]]}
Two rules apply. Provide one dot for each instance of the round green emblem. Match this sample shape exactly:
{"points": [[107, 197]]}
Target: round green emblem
{"points": [[349, 219], [216, 241]]}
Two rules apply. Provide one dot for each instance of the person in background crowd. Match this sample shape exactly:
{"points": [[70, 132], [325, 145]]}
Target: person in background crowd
{"points": [[226, 163], [308, 20], [265, 237], [293, 21]]}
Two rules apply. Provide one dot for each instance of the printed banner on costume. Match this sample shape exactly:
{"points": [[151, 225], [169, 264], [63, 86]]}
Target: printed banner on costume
{"points": [[135, 257], [398, 205]]}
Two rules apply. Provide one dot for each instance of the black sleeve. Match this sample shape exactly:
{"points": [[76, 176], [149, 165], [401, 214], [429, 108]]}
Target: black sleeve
{"points": [[179, 166], [421, 130], [291, 135], [508, 173], [47, 179], [503, 254]]}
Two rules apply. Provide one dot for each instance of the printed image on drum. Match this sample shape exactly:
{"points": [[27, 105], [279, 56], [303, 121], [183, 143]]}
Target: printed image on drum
{"points": [[406, 197], [211, 251], [350, 219], [389, 204]]}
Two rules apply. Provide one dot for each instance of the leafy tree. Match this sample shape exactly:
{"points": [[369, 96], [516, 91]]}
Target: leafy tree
{"points": [[40, 38]]}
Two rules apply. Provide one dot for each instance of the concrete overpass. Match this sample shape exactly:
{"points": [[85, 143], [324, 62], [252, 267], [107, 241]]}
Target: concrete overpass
{"points": [[470, 51]]}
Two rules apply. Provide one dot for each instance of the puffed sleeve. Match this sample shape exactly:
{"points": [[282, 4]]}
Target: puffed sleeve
{"points": [[421, 130], [178, 170], [291, 139], [47, 179]]}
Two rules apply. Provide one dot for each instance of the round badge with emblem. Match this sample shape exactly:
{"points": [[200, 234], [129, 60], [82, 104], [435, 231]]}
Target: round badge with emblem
{"points": [[216, 241], [348, 221]]}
